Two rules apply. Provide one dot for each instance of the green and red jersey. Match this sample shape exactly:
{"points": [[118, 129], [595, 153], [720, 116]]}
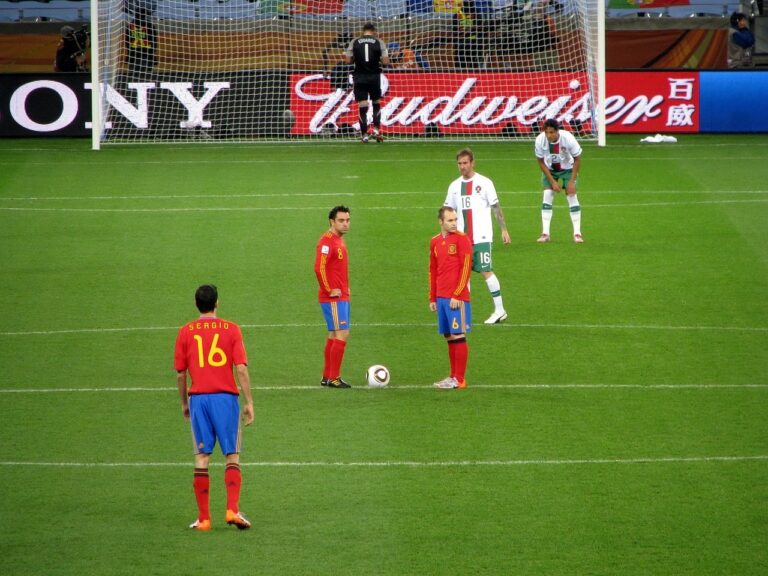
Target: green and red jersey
{"points": [[473, 200], [559, 155]]}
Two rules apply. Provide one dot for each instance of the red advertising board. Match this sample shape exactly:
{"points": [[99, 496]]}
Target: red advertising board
{"points": [[652, 101], [490, 102], [453, 102], [644, 4]]}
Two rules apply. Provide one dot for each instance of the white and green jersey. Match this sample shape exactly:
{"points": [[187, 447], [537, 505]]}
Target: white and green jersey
{"points": [[472, 199], [559, 155]]}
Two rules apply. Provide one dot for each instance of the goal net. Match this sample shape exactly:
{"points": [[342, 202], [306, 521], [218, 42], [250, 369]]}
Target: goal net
{"points": [[254, 70]]}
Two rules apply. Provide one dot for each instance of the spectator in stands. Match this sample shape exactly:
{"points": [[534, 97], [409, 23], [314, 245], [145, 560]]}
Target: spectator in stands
{"points": [[70, 54], [335, 67], [421, 60], [141, 39], [526, 37], [543, 36], [401, 58], [741, 42], [469, 34]]}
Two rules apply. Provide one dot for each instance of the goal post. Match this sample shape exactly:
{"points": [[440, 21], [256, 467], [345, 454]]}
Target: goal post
{"points": [[95, 99], [273, 70], [599, 73]]}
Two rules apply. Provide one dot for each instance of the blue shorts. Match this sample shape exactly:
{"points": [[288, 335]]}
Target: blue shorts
{"points": [[336, 315], [215, 416], [456, 321]]}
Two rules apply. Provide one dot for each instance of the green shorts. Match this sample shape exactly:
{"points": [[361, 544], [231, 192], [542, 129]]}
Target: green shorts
{"points": [[481, 257], [562, 176]]}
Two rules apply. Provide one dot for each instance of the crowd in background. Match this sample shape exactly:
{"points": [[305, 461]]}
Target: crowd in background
{"points": [[79, 10], [480, 34]]}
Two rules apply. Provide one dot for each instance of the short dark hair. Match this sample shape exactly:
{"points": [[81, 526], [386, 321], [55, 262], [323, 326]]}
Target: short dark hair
{"points": [[465, 152], [206, 297], [335, 210], [443, 210], [369, 27], [550, 123]]}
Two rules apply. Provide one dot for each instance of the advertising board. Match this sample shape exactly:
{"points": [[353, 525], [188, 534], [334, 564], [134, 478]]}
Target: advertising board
{"points": [[254, 105]]}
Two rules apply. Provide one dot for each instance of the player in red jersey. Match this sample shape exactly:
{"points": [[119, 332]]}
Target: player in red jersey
{"points": [[332, 271], [450, 264], [208, 349]]}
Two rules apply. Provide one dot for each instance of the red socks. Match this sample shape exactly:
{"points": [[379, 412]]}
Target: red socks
{"points": [[336, 357], [201, 484], [458, 353], [327, 366], [233, 479]]}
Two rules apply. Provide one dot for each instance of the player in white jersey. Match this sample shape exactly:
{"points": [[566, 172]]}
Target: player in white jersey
{"points": [[474, 197], [559, 157]]}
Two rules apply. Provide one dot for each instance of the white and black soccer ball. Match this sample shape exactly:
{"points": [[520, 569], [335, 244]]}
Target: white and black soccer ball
{"points": [[377, 376]]}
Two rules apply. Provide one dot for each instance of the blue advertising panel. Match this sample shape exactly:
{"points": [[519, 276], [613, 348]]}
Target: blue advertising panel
{"points": [[733, 101]]}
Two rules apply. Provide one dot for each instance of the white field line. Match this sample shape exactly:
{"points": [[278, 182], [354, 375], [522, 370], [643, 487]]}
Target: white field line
{"points": [[405, 387], [411, 463], [198, 209], [223, 196], [412, 193], [504, 326], [401, 159]]}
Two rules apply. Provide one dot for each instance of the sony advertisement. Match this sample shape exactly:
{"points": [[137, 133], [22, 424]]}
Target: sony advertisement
{"points": [[279, 104], [224, 105]]}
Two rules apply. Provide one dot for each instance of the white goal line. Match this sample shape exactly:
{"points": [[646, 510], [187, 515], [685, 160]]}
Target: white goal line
{"points": [[409, 463], [384, 160], [695, 141]]}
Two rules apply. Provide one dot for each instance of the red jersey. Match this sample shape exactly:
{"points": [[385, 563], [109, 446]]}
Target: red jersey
{"points": [[209, 348], [331, 268], [450, 263]]}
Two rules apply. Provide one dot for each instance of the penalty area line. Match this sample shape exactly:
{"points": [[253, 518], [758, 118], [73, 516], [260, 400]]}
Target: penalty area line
{"points": [[505, 326], [405, 387], [408, 193], [221, 209], [409, 463]]}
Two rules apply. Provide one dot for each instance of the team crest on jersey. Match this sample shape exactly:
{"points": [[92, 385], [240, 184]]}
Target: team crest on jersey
{"points": [[478, 188], [451, 248]]}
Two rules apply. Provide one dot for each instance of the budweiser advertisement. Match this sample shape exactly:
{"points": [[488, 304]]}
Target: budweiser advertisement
{"points": [[477, 103], [665, 101]]}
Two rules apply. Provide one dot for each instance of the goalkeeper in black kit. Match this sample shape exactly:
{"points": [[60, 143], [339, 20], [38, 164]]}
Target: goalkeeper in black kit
{"points": [[368, 53]]}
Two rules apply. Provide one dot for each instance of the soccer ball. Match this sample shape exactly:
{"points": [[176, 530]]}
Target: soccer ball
{"points": [[377, 376]]}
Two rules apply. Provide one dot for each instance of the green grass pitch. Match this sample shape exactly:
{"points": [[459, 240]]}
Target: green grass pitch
{"points": [[616, 424]]}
